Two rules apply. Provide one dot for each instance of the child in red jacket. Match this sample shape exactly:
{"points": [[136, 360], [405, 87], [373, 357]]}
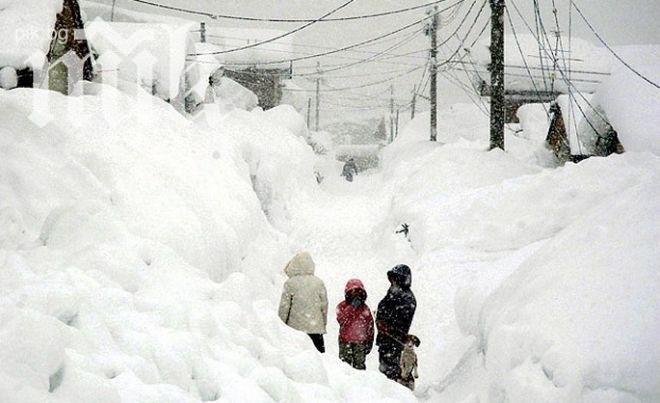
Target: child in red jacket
{"points": [[356, 325]]}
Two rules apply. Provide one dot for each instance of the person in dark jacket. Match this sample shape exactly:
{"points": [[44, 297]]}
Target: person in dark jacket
{"points": [[356, 325], [393, 319], [349, 170]]}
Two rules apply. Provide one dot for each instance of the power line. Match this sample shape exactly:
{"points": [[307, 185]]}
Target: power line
{"points": [[288, 33], [373, 58], [522, 55], [308, 45], [285, 20], [631, 68], [371, 84], [342, 49], [360, 60], [515, 66], [566, 80], [369, 59]]}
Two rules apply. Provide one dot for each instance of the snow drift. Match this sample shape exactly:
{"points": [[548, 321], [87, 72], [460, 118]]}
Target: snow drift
{"points": [[136, 262], [539, 284]]}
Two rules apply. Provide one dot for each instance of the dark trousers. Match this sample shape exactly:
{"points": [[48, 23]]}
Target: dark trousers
{"points": [[354, 354], [389, 356], [317, 339]]}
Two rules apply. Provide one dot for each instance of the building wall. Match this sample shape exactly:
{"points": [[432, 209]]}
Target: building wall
{"points": [[266, 84]]}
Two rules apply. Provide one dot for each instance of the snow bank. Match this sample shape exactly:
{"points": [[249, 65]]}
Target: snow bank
{"points": [[561, 242], [632, 106], [578, 319], [26, 28], [288, 117], [136, 263], [280, 161]]}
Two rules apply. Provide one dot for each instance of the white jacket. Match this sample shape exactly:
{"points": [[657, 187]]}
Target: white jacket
{"points": [[304, 302]]}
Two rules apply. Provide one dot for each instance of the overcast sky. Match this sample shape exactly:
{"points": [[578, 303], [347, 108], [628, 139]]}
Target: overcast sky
{"points": [[621, 22]]}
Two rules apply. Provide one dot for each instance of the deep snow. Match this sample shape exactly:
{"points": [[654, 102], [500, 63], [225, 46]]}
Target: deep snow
{"points": [[141, 257], [138, 261]]}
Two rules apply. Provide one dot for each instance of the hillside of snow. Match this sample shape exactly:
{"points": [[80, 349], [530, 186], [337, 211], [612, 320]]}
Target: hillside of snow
{"points": [[137, 258], [540, 283]]}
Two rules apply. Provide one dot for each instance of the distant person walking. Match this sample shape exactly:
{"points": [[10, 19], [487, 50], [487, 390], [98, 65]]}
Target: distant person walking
{"points": [[356, 325], [393, 319], [304, 301], [349, 170]]}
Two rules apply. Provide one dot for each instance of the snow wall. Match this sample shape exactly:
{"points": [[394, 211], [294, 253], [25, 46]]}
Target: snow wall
{"points": [[136, 260]]}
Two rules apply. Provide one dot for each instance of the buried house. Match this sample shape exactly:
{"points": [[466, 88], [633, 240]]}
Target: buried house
{"points": [[621, 114], [536, 73], [579, 129], [44, 45], [262, 69], [150, 55]]}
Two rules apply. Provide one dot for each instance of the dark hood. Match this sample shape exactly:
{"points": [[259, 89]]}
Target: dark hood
{"points": [[401, 276]]}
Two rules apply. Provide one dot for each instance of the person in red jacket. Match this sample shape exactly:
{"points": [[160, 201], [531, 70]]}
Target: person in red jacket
{"points": [[356, 325]]}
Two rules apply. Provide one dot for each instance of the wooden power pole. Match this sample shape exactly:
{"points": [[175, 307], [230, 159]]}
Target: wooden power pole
{"points": [[497, 112], [413, 103], [397, 125], [433, 30], [309, 112], [391, 112], [318, 95], [202, 32]]}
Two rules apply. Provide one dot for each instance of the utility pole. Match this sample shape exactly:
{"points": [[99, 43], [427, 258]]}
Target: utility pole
{"points": [[432, 31], [202, 32], [309, 111], [413, 103], [112, 12], [397, 124], [391, 112], [497, 113], [318, 94]]}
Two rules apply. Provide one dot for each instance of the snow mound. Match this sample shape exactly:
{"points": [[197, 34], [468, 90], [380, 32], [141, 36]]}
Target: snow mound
{"points": [[560, 240], [578, 319], [281, 163], [8, 78], [26, 28], [136, 263], [288, 117]]}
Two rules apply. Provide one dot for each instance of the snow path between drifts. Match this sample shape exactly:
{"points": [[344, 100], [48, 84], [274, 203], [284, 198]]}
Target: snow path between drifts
{"points": [[339, 229], [343, 229]]}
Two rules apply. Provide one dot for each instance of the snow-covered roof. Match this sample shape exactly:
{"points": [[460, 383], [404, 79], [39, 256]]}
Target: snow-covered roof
{"points": [[152, 54], [632, 106], [588, 64], [26, 28], [625, 101], [93, 10]]}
